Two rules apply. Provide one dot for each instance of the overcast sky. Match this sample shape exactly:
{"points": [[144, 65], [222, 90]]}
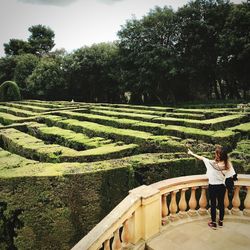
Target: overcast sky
{"points": [[75, 22]]}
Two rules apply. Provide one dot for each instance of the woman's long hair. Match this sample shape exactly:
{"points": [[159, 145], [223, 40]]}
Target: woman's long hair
{"points": [[221, 155]]}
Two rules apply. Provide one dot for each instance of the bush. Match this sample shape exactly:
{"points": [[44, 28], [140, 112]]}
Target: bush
{"points": [[9, 91]]}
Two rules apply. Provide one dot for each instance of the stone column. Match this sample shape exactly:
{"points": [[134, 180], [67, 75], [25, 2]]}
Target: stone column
{"points": [[246, 210], [203, 201], [183, 203], [192, 203], [173, 206], [236, 201]]}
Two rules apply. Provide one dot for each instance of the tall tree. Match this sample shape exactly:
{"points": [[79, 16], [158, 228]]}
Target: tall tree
{"points": [[47, 80], [16, 47], [25, 64], [41, 39], [90, 72], [147, 55]]}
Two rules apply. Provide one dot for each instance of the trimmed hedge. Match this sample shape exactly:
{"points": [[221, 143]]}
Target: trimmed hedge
{"points": [[33, 148], [244, 129], [7, 119], [146, 140], [17, 111], [67, 138], [27, 107], [9, 91]]}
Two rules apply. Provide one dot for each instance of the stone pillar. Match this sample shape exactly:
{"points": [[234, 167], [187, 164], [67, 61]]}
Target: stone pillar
{"points": [[106, 245], [147, 218], [125, 234], [164, 208], [203, 201], [246, 210], [236, 201], [117, 245], [192, 203], [173, 206], [183, 203]]}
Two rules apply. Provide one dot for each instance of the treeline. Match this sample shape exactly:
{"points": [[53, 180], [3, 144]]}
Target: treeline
{"points": [[199, 52]]}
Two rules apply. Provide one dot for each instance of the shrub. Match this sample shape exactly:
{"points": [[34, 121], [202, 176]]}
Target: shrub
{"points": [[9, 91]]}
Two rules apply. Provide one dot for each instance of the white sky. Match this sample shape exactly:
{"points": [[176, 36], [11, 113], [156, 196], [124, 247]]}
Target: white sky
{"points": [[75, 22]]}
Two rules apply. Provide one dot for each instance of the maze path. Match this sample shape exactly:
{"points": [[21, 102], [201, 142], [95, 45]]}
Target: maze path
{"points": [[71, 132]]}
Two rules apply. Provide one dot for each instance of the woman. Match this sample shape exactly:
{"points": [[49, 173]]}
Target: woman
{"points": [[217, 170]]}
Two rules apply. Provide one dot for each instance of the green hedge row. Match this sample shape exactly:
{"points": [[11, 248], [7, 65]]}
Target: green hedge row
{"points": [[17, 112], [26, 107], [244, 129], [7, 119], [219, 136], [147, 141], [67, 138], [33, 148], [210, 124]]}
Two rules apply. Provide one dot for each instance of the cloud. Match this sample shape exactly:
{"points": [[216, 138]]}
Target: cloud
{"points": [[49, 2], [109, 1]]}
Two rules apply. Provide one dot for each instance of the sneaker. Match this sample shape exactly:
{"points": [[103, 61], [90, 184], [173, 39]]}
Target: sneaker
{"points": [[212, 224], [220, 223]]}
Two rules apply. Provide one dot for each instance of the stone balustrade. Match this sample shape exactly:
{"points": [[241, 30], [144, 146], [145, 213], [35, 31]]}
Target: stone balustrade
{"points": [[147, 210]]}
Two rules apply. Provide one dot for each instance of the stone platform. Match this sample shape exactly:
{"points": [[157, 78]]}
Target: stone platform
{"points": [[196, 235]]}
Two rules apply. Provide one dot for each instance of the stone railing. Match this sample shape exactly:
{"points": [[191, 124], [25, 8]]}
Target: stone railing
{"points": [[148, 209]]}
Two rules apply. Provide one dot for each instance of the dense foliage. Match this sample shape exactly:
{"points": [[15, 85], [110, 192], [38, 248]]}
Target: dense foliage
{"points": [[199, 52]]}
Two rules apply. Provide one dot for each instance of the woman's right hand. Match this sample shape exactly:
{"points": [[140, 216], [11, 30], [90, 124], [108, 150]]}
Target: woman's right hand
{"points": [[190, 152]]}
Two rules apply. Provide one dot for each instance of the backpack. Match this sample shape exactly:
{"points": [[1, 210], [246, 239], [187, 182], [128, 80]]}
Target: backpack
{"points": [[229, 183]]}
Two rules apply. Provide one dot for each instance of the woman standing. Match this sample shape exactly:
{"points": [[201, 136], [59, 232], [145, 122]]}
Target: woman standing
{"points": [[217, 170]]}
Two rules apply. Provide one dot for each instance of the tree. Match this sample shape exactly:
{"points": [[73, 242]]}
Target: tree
{"points": [[41, 39], [90, 72], [25, 64], [234, 57], [147, 56], [16, 47], [7, 68], [47, 80]]}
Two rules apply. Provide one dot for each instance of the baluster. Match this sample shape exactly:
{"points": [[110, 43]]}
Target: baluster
{"points": [[192, 203], [236, 201], [125, 233], [106, 245], [116, 243], [226, 202], [203, 201], [173, 206], [183, 203], [164, 209], [246, 210]]}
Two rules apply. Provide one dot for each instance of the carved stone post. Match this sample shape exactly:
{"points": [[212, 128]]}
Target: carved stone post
{"points": [[183, 203], [203, 201], [117, 245], [164, 208], [246, 210], [125, 234], [173, 206], [106, 245], [192, 203], [236, 201]]}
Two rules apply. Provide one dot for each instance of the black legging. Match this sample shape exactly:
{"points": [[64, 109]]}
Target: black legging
{"points": [[217, 192]]}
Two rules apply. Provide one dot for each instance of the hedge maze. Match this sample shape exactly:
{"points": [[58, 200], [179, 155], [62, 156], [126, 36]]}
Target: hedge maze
{"points": [[66, 165]]}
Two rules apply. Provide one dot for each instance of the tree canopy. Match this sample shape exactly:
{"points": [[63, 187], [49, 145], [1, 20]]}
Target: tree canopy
{"points": [[199, 52]]}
